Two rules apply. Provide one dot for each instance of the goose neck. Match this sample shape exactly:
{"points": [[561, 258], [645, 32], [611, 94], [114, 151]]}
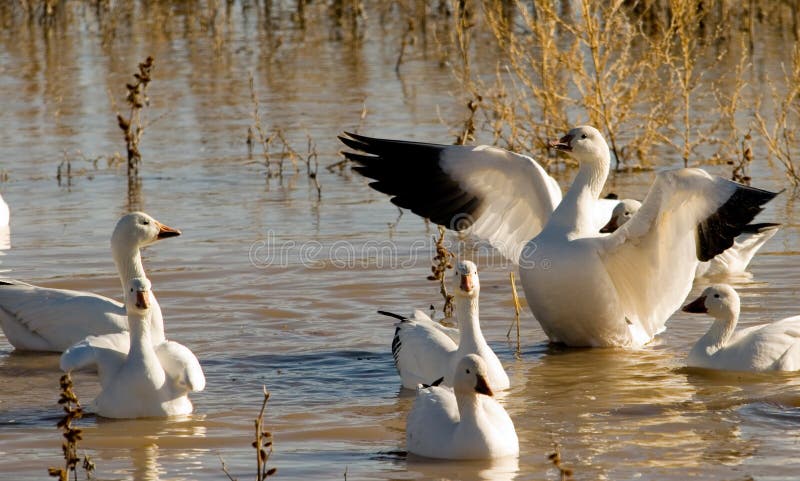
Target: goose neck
{"points": [[468, 323], [719, 333]]}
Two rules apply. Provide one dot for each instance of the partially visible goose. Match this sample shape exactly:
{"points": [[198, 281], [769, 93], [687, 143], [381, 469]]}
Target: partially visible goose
{"points": [[43, 319], [584, 289], [5, 213], [424, 351], [732, 261], [139, 376], [463, 423], [766, 347]]}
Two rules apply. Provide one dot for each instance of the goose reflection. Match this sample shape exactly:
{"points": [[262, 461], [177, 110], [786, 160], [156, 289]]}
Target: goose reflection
{"points": [[499, 469], [603, 406]]}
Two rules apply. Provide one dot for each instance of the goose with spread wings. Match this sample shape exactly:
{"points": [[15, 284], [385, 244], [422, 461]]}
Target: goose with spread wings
{"points": [[584, 288]]}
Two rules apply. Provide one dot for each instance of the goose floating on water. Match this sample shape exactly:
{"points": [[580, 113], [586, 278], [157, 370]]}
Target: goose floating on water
{"points": [[465, 422], [766, 347], [732, 261], [43, 319], [585, 289], [5, 213], [425, 351], [139, 376]]}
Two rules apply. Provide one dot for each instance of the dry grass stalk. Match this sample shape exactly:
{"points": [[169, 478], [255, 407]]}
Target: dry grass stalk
{"points": [[517, 310], [313, 174], [72, 412], [564, 472], [442, 262], [780, 138], [133, 127], [261, 136], [262, 444]]}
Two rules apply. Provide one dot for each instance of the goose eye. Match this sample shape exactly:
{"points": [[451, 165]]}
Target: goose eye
{"points": [[583, 136], [716, 295], [146, 222], [467, 371]]}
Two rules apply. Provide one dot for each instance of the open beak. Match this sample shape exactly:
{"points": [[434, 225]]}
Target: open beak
{"points": [[610, 227], [481, 386], [562, 143], [142, 300], [697, 306], [165, 231], [466, 283]]}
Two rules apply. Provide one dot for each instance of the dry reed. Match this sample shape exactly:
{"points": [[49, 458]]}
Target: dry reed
{"points": [[441, 262], [72, 412]]}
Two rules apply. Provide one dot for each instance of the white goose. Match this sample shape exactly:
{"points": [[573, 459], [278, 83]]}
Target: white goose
{"points": [[42, 319], [425, 351], [733, 261], [139, 376], [463, 423], [767, 347], [584, 289], [5, 213]]}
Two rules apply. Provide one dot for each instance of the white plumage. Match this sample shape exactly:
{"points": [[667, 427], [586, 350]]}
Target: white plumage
{"points": [[465, 422], [43, 319], [731, 262], [766, 347], [139, 377], [425, 351], [585, 289]]}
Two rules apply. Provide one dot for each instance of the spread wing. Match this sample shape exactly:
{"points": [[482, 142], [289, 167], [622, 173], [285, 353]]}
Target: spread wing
{"points": [[688, 216], [496, 195]]}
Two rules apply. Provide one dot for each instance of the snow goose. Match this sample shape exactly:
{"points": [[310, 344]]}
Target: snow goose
{"points": [[139, 376], [425, 351], [766, 347], [463, 423], [42, 319], [732, 261], [5, 213], [497, 195], [628, 283]]}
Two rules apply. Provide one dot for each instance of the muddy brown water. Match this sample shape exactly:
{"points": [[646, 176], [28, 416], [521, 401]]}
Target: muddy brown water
{"points": [[270, 285]]}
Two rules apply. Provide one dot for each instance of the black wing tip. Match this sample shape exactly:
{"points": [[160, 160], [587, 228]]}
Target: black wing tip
{"points": [[392, 314], [717, 232], [761, 227], [434, 383]]}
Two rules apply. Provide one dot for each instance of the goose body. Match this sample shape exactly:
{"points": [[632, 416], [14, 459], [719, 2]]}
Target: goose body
{"points": [[5, 213], [584, 288], [731, 262], [766, 347], [139, 377], [37, 318], [424, 351], [464, 422]]}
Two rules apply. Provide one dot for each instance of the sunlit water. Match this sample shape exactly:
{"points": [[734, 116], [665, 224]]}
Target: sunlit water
{"points": [[271, 286]]}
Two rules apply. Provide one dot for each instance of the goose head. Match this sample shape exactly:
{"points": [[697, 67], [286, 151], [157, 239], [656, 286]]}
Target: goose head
{"points": [[621, 214], [471, 375], [138, 229], [719, 301], [138, 295], [585, 143], [468, 283]]}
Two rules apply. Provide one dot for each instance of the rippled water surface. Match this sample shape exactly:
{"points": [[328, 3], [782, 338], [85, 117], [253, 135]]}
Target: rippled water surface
{"points": [[272, 285]]}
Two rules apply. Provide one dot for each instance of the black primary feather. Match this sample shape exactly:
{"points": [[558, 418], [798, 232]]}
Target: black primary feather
{"points": [[410, 172], [716, 233]]}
